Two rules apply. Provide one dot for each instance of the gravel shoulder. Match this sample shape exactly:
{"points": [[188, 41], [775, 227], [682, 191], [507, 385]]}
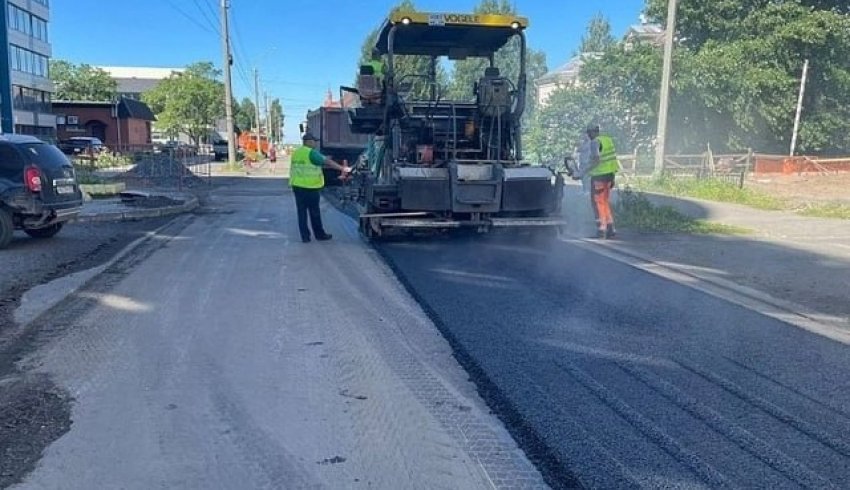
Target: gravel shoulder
{"points": [[34, 411], [261, 362]]}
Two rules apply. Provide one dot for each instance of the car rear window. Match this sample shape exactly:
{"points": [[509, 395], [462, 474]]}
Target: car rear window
{"points": [[45, 156], [11, 163]]}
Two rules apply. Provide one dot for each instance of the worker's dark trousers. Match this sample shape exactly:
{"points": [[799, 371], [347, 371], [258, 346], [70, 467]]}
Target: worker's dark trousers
{"points": [[307, 202]]}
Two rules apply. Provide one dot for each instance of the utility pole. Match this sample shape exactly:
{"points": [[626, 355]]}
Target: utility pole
{"points": [[799, 107], [228, 87], [280, 124], [257, 103], [661, 137], [269, 131]]}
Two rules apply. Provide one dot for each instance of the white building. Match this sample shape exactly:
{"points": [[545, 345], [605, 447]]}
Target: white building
{"points": [[133, 81], [566, 75]]}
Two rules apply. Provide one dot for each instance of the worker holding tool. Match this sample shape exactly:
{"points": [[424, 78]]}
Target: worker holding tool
{"points": [[307, 180], [602, 169]]}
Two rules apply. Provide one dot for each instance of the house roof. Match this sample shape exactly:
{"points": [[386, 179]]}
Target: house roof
{"points": [[646, 29], [135, 109], [569, 70], [127, 108]]}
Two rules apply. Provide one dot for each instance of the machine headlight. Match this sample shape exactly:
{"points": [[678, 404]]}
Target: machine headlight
{"points": [[405, 20], [514, 25]]}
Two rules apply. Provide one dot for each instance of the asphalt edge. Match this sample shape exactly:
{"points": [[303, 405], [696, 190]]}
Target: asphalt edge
{"points": [[189, 205], [752, 299]]}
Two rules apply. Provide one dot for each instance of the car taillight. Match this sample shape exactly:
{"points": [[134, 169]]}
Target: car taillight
{"points": [[32, 179]]}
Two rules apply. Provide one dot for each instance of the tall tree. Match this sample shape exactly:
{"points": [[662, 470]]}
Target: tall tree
{"points": [[598, 36], [188, 102], [81, 82], [555, 128], [275, 118], [736, 83], [698, 21], [245, 113]]}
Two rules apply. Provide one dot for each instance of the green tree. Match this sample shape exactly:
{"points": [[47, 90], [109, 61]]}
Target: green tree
{"points": [[275, 118], [737, 70], [628, 80], [406, 67], [244, 114], [81, 82], [467, 72], [188, 102], [555, 128], [598, 37], [698, 21]]}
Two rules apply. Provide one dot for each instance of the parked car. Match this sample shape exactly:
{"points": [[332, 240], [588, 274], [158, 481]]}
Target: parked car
{"points": [[179, 147], [82, 145], [220, 149], [38, 188]]}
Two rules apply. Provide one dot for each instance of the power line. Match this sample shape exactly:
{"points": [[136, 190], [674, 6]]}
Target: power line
{"points": [[205, 15], [191, 19], [241, 70]]}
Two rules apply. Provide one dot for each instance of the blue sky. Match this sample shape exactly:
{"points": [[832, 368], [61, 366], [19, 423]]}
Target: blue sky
{"points": [[301, 47]]}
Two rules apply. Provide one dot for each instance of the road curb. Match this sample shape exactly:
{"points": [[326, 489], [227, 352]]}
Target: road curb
{"points": [[190, 205], [749, 298]]}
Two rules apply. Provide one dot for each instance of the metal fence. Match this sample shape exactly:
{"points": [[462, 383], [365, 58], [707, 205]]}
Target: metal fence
{"points": [[146, 167]]}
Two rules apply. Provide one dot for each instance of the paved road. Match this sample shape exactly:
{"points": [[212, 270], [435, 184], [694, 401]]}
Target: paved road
{"points": [[613, 378], [224, 353]]}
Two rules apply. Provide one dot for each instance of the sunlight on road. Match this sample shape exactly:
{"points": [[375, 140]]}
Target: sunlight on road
{"points": [[117, 302], [254, 233]]}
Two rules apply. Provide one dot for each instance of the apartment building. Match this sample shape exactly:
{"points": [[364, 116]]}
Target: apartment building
{"points": [[25, 73]]}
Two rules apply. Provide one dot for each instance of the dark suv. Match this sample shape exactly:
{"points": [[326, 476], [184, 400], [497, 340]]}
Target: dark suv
{"points": [[38, 188]]}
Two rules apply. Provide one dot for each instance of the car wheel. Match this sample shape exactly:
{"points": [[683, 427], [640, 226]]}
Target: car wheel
{"points": [[7, 228], [46, 232]]}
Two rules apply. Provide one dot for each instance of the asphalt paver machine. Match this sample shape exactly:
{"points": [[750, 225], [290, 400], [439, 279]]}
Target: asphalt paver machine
{"points": [[436, 163]]}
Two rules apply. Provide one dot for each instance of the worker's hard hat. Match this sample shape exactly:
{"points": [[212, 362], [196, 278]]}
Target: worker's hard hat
{"points": [[308, 136]]}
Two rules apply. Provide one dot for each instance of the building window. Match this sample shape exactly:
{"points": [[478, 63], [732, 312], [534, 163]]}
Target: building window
{"points": [[29, 99], [23, 21], [28, 61]]}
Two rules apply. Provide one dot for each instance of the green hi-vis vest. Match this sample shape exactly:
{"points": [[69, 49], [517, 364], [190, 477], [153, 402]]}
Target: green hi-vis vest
{"points": [[608, 163], [377, 67], [302, 172]]}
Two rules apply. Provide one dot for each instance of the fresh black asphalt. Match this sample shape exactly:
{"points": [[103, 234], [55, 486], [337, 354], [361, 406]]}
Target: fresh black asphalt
{"points": [[610, 377]]}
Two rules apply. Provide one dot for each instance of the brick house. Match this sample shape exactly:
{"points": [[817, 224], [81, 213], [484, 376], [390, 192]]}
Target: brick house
{"points": [[120, 124]]}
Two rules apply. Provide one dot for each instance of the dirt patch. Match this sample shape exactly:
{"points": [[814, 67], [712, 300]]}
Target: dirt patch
{"points": [[807, 188], [34, 410]]}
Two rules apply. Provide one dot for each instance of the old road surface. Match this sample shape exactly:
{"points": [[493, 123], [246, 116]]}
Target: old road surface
{"points": [[224, 353], [614, 378]]}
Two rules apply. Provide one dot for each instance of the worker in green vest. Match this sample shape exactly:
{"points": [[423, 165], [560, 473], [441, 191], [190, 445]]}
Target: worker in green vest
{"points": [[307, 180], [377, 65], [602, 169]]}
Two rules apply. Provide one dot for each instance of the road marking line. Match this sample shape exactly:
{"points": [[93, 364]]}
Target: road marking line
{"points": [[751, 299]]}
